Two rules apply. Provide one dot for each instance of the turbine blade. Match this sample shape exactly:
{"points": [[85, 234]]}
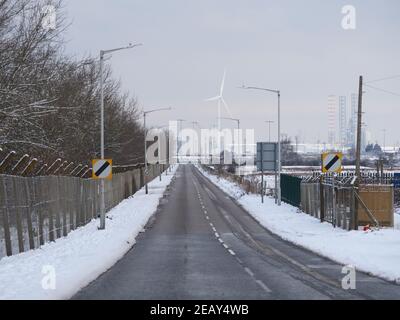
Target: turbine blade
{"points": [[213, 98], [222, 83]]}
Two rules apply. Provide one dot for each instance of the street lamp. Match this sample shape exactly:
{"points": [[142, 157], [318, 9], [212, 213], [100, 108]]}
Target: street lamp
{"points": [[160, 129], [233, 119], [238, 126], [384, 141], [279, 134], [102, 186], [145, 113], [194, 123], [177, 138], [269, 129]]}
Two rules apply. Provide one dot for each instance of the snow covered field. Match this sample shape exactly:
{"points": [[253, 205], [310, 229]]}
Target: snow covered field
{"points": [[59, 269], [376, 252]]}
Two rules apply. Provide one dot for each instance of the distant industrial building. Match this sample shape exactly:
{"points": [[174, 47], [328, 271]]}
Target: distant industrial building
{"points": [[332, 109], [342, 124]]}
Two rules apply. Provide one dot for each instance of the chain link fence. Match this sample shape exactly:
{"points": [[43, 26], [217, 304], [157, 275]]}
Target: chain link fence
{"points": [[37, 210]]}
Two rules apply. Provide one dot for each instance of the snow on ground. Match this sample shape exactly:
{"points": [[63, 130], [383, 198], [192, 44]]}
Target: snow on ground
{"points": [[376, 252], [84, 254]]}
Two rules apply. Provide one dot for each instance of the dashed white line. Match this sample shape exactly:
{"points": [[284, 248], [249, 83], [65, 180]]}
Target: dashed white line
{"points": [[262, 285], [251, 273], [231, 252]]}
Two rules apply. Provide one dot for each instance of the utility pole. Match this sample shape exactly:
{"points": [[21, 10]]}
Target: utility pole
{"points": [[359, 128], [358, 150]]}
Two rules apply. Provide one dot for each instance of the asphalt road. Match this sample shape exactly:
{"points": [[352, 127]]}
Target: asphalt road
{"points": [[202, 245]]}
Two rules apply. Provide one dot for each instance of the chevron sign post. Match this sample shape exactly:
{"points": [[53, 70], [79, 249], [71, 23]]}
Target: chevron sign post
{"points": [[332, 162], [102, 169]]}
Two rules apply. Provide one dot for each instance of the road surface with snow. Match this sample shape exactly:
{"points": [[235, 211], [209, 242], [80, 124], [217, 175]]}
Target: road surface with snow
{"points": [[201, 244]]}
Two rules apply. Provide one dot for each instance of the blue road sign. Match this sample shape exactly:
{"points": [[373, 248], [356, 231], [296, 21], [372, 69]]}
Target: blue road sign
{"points": [[266, 156]]}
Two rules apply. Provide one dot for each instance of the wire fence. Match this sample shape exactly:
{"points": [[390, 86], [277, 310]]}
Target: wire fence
{"points": [[37, 210], [339, 201]]}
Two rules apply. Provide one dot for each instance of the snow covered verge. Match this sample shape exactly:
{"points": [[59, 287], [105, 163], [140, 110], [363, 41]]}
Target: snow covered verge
{"points": [[375, 252], [60, 269]]}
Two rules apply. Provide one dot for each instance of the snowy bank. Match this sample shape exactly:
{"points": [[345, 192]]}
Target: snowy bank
{"points": [[376, 252], [84, 254]]}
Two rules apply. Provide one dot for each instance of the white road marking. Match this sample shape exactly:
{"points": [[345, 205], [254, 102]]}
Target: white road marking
{"points": [[251, 273], [323, 266], [262, 285], [210, 194]]}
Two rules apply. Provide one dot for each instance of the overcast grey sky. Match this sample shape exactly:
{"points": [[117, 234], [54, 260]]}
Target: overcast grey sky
{"points": [[296, 46]]}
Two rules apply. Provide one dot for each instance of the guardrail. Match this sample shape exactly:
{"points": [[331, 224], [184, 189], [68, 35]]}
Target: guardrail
{"points": [[36, 210]]}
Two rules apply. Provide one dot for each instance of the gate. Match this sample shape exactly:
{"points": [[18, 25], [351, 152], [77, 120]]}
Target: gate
{"points": [[290, 189]]}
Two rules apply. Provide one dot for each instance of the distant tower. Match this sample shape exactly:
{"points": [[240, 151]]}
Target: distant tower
{"points": [[332, 107], [364, 135], [342, 121]]}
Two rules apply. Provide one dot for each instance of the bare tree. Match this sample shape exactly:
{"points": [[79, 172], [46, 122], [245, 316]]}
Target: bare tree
{"points": [[48, 101]]}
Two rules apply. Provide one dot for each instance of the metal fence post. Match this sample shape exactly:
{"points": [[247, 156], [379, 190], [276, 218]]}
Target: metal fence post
{"points": [[6, 222], [321, 199]]}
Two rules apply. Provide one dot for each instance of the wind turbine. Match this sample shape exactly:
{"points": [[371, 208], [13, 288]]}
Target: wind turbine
{"points": [[221, 100]]}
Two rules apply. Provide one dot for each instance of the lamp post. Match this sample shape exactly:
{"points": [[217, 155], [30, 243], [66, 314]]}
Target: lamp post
{"points": [[159, 152], [269, 129], [177, 138], [384, 141], [145, 113], [278, 93], [102, 185], [238, 127]]}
